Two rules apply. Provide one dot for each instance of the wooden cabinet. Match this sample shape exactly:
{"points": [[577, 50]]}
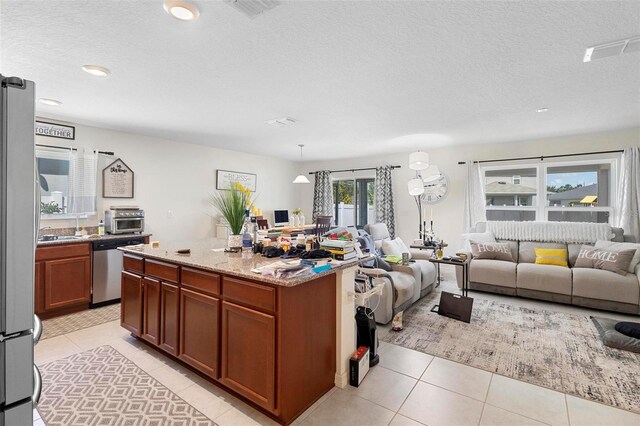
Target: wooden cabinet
{"points": [[169, 317], [131, 303], [268, 344], [151, 310], [199, 324], [62, 279], [248, 353]]}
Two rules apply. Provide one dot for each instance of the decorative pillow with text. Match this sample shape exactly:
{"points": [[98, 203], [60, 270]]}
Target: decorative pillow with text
{"points": [[608, 260], [497, 251]]}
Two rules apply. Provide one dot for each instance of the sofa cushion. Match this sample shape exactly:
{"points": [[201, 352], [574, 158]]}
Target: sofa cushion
{"points": [[548, 278], [394, 247], [611, 245], [608, 260], [526, 250], [550, 256], [606, 285], [574, 250], [513, 246], [477, 237], [497, 251], [378, 231], [496, 272]]}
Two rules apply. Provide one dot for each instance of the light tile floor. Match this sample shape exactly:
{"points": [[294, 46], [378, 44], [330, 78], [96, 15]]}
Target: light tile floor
{"points": [[406, 388]]}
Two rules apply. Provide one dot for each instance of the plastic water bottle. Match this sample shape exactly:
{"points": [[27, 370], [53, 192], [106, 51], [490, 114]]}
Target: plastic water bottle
{"points": [[246, 232]]}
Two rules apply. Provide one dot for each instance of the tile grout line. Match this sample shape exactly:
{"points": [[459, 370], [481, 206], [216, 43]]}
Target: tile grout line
{"points": [[405, 400]]}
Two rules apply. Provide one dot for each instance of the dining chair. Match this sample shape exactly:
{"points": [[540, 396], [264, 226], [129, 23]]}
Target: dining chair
{"points": [[263, 224], [323, 224]]}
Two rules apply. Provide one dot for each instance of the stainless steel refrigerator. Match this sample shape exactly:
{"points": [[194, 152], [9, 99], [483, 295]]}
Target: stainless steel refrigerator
{"points": [[20, 382]]}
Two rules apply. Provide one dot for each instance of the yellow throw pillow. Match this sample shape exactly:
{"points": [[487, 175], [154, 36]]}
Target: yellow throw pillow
{"points": [[556, 257]]}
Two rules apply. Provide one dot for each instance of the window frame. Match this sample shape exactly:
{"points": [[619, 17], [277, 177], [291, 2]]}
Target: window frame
{"points": [[360, 181], [541, 208]]}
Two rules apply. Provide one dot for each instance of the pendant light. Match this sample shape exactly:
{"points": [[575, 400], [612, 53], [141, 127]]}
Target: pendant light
{"points": [[418, 160], [301, 178]]}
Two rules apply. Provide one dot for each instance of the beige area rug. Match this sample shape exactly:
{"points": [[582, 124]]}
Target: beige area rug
{"points": [[73, 322], [102, 387], [556, 350]]}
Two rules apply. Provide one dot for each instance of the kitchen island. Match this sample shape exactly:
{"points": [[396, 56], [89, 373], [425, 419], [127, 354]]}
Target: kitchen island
{"points": [[279, 344]]}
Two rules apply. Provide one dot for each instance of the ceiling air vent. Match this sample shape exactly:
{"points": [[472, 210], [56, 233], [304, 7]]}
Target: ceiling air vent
{"points": [[280, 122], [615, 48], [252, 8]]}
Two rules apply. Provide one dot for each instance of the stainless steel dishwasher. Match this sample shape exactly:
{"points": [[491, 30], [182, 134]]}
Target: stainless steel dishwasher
{"points": [[107, 269]]}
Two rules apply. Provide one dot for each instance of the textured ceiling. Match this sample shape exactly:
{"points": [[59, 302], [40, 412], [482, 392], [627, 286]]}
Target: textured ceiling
{"points": [[356, 76]]}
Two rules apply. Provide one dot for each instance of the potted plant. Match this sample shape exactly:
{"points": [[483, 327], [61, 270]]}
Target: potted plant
{"points": [[232, 205]]}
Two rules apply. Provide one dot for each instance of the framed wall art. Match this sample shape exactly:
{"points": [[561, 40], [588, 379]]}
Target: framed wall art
{"points": [[117, 180], [224, 179]]}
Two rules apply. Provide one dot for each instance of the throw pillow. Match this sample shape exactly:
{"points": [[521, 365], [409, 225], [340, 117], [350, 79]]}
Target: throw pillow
{"points": [[478, 237], [610, 245], [547, 256], [631, 329], [394, 247], [608, 260], [497, 251]]}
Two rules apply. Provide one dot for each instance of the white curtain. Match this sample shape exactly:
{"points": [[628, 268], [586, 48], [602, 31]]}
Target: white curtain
{"points": [[628, 203], [83, 178], [474, 200]]}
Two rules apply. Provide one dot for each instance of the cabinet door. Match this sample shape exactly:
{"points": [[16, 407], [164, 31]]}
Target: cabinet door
{"points": [[169, 317], [38, 279], [131, 303], [151, 310], [199, 322], [67, 282], [248, 353]]}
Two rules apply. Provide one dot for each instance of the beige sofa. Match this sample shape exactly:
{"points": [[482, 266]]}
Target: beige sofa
{"points": [[591, 288]]}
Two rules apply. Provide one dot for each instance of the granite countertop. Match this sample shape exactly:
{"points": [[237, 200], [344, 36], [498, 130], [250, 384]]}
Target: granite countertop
{"points": [[238, 264], [87, 239]]}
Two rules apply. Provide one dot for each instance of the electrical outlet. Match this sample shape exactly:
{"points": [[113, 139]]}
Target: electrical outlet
{"points": [[171, 214]]}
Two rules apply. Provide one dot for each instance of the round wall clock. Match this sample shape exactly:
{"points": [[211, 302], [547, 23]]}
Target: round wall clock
{"points": [[436, 190]]}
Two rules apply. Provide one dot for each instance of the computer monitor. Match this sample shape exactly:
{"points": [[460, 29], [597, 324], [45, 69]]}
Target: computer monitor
{"points": [[280, 217]]}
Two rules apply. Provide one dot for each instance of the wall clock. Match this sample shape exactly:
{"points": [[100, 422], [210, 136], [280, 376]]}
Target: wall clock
{"points": [[436, 190]]}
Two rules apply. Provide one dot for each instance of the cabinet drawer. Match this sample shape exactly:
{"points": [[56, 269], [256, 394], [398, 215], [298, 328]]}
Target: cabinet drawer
{"points": [[133, 263], [62, 251], [248, 293], [164, 271], [205, 282]]}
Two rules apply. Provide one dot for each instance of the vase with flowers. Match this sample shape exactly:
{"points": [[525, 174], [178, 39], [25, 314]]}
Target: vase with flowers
{"points": [[232, 205]]}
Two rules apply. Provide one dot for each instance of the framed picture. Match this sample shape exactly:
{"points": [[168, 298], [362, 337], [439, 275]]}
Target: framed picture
{"points": [[224, 179], [117, 180], [53, 130]]}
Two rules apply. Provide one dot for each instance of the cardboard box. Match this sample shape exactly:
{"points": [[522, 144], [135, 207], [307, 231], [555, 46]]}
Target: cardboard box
{"points": [[358, 366]]}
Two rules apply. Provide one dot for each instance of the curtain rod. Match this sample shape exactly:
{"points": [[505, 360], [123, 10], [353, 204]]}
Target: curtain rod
{"points": [[355, 170], [72, 149], [542, 157]]}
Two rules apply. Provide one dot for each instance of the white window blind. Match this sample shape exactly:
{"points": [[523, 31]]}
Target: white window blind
{"points": [[83, 177]]}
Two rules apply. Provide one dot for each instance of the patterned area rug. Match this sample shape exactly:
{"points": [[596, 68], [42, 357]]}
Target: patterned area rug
{"points": [[102, 387], [559, 351], [73, 322]]}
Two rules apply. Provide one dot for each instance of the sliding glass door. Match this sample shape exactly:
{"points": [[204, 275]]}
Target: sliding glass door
{"points": [[353, 202]]}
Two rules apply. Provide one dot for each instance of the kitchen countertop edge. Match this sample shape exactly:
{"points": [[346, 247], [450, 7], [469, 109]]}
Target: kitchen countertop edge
{"points": [[290, 282]]}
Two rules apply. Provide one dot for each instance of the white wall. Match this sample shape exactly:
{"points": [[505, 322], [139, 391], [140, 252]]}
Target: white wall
{"points": [[179, 177], [448, 212]]}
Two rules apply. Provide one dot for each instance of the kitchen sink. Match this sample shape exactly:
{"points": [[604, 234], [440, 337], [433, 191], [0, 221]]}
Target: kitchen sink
{"points": [[58, 238]]}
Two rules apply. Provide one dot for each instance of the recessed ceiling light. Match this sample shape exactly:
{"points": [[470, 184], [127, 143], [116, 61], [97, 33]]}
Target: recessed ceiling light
{"points": [[542, 110], [96, 70], [51, 102], [182, 10]]}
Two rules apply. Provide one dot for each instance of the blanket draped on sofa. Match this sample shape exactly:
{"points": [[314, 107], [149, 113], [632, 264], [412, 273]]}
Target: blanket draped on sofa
{"points": [[558, 232]]}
